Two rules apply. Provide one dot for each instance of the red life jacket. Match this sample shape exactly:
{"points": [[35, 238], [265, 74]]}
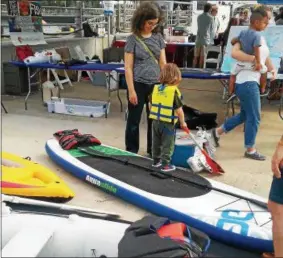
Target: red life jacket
{"points": [[70, 139], [23, 52]]}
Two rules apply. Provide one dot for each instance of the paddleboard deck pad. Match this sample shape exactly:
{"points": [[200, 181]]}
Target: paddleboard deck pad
{"points": [[182, 196]]}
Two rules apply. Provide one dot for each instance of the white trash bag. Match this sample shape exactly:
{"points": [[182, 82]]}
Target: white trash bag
{"points": [[198, 162]]}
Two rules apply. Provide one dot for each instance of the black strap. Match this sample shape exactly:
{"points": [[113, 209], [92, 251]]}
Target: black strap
{"points": [[169, 175], [141, 240]]}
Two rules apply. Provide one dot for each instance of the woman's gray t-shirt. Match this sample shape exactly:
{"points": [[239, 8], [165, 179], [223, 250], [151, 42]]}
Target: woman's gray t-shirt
{"points": [[146, 70]]}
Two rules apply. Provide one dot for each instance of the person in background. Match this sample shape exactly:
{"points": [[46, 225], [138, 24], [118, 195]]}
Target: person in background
{"points": [[280, 14], [166, 109], [232, 22], [245, 20], [247, 90], [241, 14], [144, 57], [216, 23], [203, 38], [275, 203], [279, 21]]}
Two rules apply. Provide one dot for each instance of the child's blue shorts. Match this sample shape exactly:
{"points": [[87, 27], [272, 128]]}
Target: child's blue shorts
{"points": [[276, 190]]}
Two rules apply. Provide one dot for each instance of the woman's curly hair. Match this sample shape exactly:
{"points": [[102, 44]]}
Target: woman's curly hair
{"points": [[146, 11]]}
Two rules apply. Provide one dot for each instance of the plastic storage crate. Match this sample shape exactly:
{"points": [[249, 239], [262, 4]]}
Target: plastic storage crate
{"points": [[78, 107]]}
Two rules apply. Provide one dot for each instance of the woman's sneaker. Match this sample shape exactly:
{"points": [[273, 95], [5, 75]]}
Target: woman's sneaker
{"points": [[168, 168], [157, 164], [256, 156]]}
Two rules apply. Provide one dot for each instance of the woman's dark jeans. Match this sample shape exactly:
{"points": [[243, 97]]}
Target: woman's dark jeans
{"points": [[143, 92]]}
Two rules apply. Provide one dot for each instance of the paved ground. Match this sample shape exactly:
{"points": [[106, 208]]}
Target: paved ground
{"points": [[25, 133]]}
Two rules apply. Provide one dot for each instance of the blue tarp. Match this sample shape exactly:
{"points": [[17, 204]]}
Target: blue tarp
{"points": [[274, 2]]}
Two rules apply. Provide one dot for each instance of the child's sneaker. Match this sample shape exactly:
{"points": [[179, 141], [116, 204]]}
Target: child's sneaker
{"points": [[157, 164], [168, 168]]}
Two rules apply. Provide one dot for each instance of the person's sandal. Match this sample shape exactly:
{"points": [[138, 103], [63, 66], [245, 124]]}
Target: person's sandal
{"points": [[255, 156]]}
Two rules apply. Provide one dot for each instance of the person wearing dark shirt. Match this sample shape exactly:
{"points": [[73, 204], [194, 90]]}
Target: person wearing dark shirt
{"points": [[144, 57]]}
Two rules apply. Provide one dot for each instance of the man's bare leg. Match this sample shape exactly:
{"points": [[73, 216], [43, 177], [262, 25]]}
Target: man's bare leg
{"points": [[277, 227], [195, 62], [201, 61]]}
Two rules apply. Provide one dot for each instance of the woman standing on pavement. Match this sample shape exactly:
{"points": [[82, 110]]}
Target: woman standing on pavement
{"points": [[144, 57]]}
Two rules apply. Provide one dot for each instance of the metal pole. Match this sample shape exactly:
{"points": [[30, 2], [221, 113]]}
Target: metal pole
{"points": [[109, 31], [118, 22], [124, 15], [78, 19]]}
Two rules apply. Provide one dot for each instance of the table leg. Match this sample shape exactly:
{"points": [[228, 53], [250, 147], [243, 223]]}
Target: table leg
{"points": [[109, 92], [225, 84], [5, 110], [40, 83], [119, 98], [186, 57], [29, 89]]}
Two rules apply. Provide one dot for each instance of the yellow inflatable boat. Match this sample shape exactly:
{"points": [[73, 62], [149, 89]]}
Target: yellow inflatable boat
{"points": [[23, 177]]}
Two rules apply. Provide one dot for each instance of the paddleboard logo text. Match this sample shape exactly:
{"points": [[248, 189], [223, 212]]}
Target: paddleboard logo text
{"points": [[105, 186], [233, 220]]}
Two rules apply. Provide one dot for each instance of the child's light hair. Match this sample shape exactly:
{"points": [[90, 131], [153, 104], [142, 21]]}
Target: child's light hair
{"points": [[170, 74]]}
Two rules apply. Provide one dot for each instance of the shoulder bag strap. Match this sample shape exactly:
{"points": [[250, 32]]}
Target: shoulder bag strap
{"points": [[147, 49]]}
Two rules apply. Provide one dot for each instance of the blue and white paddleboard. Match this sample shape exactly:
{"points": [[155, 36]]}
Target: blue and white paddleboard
{"points": [[223, 217]]}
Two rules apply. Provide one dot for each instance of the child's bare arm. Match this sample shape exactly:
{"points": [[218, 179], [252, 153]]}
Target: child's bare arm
{"points": [[234, 41], [181, 116], [257, 58]]}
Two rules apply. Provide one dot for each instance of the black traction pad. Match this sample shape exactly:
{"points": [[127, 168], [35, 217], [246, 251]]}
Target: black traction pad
{"points": [[146, 180]]}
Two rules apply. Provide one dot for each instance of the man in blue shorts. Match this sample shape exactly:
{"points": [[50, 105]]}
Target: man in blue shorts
{"points": [[275, 203]]}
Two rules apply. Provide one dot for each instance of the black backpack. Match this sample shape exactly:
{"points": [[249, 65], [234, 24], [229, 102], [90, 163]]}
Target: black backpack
{"points": [[160, 237], [196, 118]]}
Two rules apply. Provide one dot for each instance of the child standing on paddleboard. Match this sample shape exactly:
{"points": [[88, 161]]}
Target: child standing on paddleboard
{"points": [[165, 110]]}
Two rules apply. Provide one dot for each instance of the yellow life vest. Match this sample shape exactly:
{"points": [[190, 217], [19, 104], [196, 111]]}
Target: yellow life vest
{"points": [[162, 103]]}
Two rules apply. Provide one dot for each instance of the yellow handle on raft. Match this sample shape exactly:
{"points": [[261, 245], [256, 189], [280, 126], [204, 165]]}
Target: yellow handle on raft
{"points": [[28, 170], [23, 177]]}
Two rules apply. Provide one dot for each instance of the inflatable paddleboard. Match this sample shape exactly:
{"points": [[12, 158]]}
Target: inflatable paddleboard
{"points": [[37, 230], [224, 214], [23, 177]]}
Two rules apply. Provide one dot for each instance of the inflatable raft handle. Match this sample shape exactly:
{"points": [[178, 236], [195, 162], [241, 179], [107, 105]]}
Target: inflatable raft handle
{"points": [[19, 200]]}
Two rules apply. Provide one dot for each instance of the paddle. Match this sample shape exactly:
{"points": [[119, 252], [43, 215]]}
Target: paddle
{"points": [[19, 200], [215, 167], [168, 175]]}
